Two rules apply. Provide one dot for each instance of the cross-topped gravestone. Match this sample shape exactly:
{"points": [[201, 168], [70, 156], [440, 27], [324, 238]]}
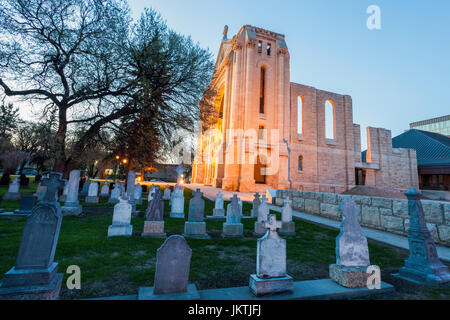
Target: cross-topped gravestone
{"points": [[234, 210], [352, 252], [256, 203], [271, 274], [218, 211], [423, 264], [53, 182], [263, 213]]}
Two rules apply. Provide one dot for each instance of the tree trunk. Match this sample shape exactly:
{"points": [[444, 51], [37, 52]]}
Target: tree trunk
{"points": [[60, 143]]}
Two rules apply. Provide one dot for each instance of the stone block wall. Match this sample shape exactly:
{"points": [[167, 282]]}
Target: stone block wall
{"points": [[379, 213]]}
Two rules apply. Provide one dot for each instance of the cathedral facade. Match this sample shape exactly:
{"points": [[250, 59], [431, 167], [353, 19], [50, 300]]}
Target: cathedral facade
{"points": [[271, 133]]}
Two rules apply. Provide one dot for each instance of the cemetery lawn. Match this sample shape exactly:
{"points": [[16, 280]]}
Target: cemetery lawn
{"points": [[119, 266]]}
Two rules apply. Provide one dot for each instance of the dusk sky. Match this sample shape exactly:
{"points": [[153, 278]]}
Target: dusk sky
{"points": [[396, 75]]}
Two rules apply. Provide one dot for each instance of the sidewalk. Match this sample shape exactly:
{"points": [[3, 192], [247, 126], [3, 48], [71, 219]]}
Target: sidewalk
{"points": [[377, 235]]}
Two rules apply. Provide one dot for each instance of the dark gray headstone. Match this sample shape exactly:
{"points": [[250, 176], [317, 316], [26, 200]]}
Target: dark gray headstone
{"points": [[53, 183], [196, 207], [155, 209], [172, 266], [234, 211], [27, 202]]}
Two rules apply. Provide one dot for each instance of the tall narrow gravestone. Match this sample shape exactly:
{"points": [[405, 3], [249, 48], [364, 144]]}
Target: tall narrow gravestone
{"points": [[352, 268], [85, 188], [72, 205], [255, 205], [263, 213], [121, 226], [177, 200], [131, 187], [287, 225], [173, 261], [195, 227], [423, 265], [271, 274], [138, 194], [92, 196], [154, 217], [35, 274], [104, 191], [233, 228], [13, 191]]}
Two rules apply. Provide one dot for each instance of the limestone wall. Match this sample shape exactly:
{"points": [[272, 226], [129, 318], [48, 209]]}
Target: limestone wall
{"points": [[379, 213]]}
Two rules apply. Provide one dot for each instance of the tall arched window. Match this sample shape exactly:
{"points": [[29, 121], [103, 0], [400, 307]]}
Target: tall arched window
{"points": [[262, 90], [330, 128], [300, 115]]}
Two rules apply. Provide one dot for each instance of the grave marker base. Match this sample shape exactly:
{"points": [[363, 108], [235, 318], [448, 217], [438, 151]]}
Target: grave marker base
{"points": [[261, 287], [11, 196], [423, 278], [287, 229], [154, 229], [177, 215], [91, 199], [233, 230], [349, 277], [146, 293], [120, 230], [196, 230]]}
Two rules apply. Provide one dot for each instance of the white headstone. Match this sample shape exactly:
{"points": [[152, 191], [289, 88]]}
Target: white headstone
{"points": [[286, 214], [104, 192], [263, 210], [121, 219], [93, 190], [271, 252]]}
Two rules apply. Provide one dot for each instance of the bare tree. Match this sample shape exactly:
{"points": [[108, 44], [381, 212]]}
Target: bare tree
{"points": [[85, 59]]}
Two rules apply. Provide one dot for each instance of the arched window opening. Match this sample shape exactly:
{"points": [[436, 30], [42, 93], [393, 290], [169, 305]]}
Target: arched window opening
{"points": [[269, 47], [262, 90], [260, 45], [300, 115], [330, 129]]}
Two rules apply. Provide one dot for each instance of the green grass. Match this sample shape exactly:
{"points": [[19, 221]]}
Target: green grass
{"points": [[119, 266]]}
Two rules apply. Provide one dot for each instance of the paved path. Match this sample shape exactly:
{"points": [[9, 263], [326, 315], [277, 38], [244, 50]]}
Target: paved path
{"points": [[377, 235]]}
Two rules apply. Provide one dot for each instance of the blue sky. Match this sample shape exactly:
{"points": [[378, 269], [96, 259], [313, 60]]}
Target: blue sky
{"points": [[396, 75]]}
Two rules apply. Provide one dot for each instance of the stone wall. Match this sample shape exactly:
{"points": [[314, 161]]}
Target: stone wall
{"points": [[379, 213]]}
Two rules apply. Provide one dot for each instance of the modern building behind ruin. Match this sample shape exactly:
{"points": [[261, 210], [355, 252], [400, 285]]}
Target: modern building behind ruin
{"points": [[255, 95]]}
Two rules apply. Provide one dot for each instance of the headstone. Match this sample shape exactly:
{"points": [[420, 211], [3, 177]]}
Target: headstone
{"points": [[218, 211], [52, 181], [177, 199], [154, 217], [13, 191], [271, 274], [352, 251], [63, 197], [40, 191], [263, 214], [92, 196], [423, 265], [104, 191], [115, 194], [138, 194], [131, 187], [173, 261], [233, 228], [166, 193], [27, 202], [85, 189], [38, 178], [256, 203], [35, 274], [195, 227], [121, 224], [72, 205], [287, 225]]}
